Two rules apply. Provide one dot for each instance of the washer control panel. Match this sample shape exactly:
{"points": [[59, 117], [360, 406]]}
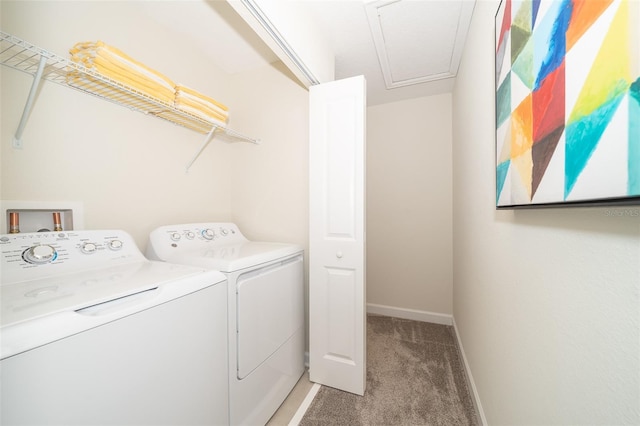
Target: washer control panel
{"points": [[165, 239], [36, 255]]}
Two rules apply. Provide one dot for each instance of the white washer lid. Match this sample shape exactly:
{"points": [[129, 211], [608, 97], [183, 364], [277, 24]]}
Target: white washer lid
{"points": [[37, 312], [234, 257]]}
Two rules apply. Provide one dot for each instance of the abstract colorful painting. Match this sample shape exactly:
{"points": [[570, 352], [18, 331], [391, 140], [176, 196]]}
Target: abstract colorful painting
{"points": [[567, 102]]}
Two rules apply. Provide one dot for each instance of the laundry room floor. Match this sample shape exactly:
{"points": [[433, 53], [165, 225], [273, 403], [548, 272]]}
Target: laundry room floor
{"points": [[415, 375]]}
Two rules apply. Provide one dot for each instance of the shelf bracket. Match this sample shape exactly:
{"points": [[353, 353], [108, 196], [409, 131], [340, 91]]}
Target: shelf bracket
{"points": [[37, 78], [206, 141]]}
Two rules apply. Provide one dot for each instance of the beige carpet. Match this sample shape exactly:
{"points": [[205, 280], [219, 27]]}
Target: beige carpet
{"points": [[414, 377]]}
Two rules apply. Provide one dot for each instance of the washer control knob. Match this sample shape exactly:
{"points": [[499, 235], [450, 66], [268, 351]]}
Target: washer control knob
{"points": [[175, 236], [208, 234], [40, 254], [88, 248], [190, 235], [339, 255], [224, 232], [115, 245]]}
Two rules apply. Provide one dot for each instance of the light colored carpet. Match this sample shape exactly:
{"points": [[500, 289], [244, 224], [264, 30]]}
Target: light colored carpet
{"points": [[414, 377]]}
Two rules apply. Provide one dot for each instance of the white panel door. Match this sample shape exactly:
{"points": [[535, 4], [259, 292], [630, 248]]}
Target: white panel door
{"points": [[337, 282]]}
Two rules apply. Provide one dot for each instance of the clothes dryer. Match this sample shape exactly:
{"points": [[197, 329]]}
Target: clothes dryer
{"points": [[93, 333], [265, 306]]}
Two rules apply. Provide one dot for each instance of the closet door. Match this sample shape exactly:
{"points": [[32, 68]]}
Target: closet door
{"points": [[337, 283]]}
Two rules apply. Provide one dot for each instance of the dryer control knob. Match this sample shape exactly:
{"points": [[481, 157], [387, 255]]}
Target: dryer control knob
{"points": [[88, 248], [339, 255], [115, 245], [175, 236], [224, 232], [40, 254], [190, 235], [208, 233]]}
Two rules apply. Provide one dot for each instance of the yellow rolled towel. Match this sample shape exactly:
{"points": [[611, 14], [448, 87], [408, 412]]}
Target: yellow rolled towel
{"points": [[198, 103], [87, 50], [188, 92], [120, 67], [157, 94], [188, 104], [194, 102], [131, 65], [135, 81]]}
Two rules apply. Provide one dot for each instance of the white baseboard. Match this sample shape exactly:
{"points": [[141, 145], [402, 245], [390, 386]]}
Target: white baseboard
{"points": [[304, 406], [474, 392], [412, 314]]}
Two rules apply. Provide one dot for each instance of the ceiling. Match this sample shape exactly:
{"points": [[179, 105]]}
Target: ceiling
{"points": [[422, 41], [404, 48]]}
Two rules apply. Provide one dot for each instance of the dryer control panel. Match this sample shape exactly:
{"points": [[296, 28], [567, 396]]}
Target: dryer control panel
{"points": [[33, 255], [192, 236]]}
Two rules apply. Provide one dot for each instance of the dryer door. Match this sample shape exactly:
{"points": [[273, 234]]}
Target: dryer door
{"points": [[269, 310]]}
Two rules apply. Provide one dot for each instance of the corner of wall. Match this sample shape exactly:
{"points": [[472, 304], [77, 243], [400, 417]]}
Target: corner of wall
{"points": [[475, 397]]}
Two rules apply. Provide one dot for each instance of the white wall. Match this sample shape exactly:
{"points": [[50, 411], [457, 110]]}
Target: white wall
{"points": [[270, 181], [546, 301], [128, 169], [409, 214]]}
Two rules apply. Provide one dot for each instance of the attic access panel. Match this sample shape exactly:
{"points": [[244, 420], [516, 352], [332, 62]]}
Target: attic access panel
{"points": [[418, 41]]}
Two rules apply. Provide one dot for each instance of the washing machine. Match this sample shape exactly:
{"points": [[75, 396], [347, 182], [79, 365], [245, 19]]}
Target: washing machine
{"points": [[93, 333], [265, 306]]}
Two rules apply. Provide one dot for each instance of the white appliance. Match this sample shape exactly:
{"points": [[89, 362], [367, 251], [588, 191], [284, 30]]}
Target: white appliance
{"points": [[265, 304], [94, 333]]}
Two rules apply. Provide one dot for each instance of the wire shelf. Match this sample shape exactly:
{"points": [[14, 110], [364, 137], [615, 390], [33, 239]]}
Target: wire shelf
{"points": [[23, 56]]}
